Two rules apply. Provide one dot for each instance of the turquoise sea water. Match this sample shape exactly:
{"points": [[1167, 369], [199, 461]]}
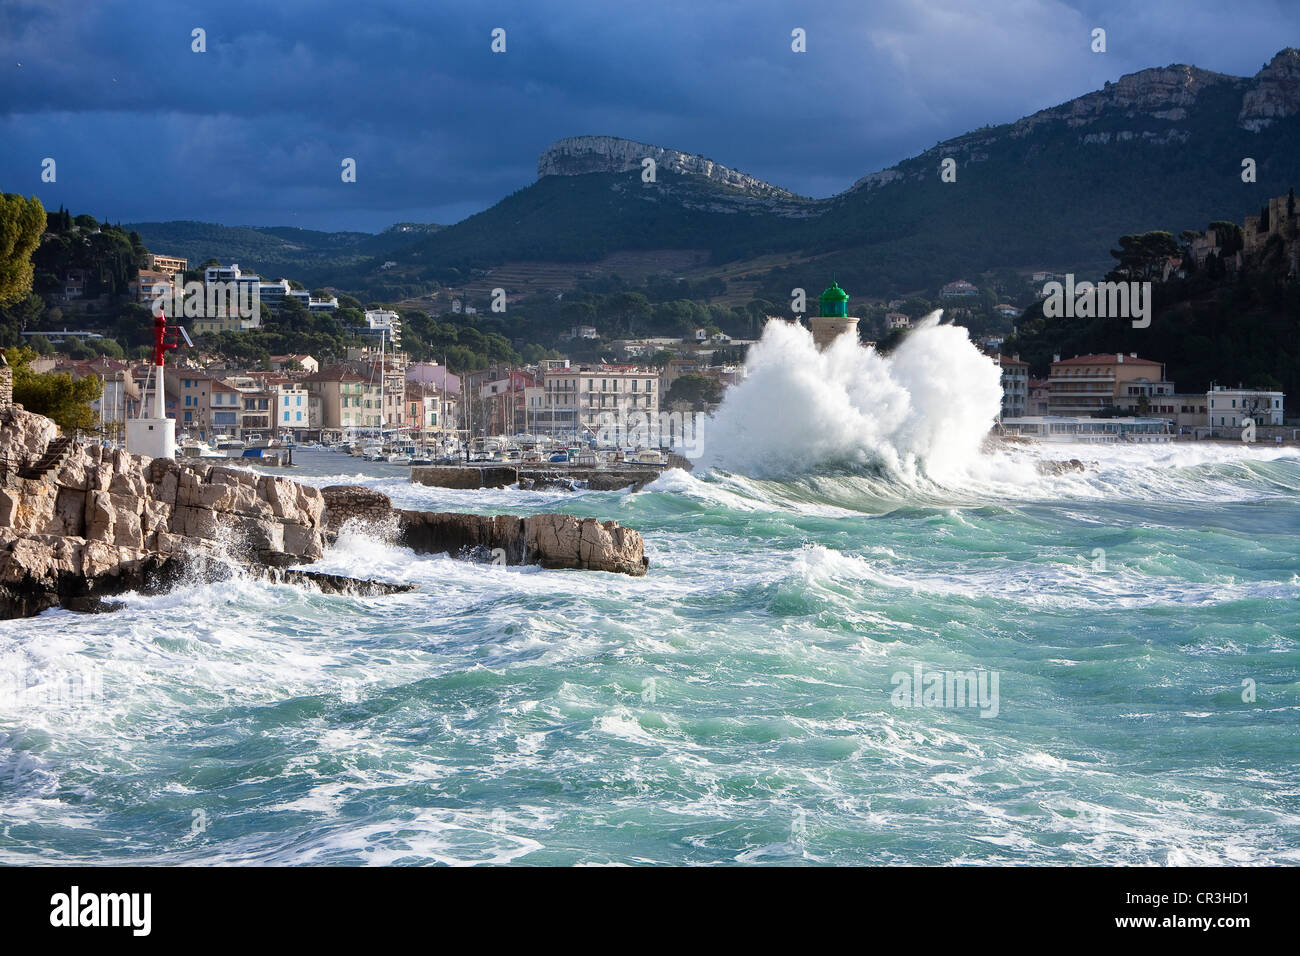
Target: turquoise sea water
{"points": [[738, 704]]}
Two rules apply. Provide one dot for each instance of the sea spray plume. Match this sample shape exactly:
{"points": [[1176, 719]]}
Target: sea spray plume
{"points": [[923, 409]]}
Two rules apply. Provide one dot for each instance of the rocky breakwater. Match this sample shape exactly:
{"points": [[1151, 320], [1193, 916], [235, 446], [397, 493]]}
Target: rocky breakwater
{"points": [[81, 522], [549, 540]]}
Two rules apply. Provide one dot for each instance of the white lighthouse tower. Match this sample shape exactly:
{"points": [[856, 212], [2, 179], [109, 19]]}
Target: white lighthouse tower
{"points": [[153, 433]]}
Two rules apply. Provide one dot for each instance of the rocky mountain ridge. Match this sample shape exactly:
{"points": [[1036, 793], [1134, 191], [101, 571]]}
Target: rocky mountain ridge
{"points": [[1150, 103], [579, 155], [1158, 148]]}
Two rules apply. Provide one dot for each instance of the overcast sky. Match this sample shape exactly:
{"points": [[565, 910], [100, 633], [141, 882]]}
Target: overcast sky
{"points": [[254, 130]]}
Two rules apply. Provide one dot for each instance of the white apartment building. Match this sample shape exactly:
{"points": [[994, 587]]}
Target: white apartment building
{"points": [[293, 408], [1015, 385], [272, 293], [576, 397], [382, 319], [1230, 407]]}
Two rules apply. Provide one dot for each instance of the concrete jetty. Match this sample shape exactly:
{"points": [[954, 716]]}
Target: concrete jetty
{"points": [[499, 475]]}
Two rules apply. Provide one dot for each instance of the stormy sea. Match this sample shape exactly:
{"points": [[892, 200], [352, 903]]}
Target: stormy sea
{"points": [[866, 637]]}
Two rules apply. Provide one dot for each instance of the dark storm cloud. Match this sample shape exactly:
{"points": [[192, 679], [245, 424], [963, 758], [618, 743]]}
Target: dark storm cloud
{"points": [[254, 129]]}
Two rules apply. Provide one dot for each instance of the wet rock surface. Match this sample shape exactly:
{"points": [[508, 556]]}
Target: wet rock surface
{"points": [[550, 540], [80, 523], [1061, 467]]}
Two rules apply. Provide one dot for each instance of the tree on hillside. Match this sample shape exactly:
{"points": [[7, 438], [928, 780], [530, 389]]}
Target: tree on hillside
{"points": [[18, 317], [60, 397], [700, 390], [628, 311], [1214, 324], [578, 313], [532, 354], [41, 345], [758, 311], [678, 317], [915, 307], [140, 255], [134, 325], [58, 222], [1142, 256], [21, 223], [1230, 235]]}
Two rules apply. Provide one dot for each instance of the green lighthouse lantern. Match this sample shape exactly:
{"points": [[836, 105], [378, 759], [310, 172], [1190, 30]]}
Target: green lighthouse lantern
{"points": [[834, 320], [835, 302]]}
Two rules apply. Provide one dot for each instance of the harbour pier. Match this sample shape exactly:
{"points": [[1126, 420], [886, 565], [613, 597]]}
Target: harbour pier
{"points": [[499, 475]]}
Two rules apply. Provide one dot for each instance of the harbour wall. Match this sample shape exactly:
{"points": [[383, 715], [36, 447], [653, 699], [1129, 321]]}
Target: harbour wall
{"points": [[468, 477]]}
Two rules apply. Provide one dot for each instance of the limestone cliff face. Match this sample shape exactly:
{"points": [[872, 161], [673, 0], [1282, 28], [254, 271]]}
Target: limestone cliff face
{"points": [[1156, 107], [1167, 93], [578, 155], [1160, 93], [1275, 93]]}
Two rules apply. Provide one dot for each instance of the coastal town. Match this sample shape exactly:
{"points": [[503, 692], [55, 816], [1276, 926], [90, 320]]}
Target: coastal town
{"points": [[390, 398], [374, 391], [363, 390]]}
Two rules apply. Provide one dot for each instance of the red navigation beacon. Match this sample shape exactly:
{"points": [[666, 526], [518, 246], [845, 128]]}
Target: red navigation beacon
{"points": [[165, 337]]}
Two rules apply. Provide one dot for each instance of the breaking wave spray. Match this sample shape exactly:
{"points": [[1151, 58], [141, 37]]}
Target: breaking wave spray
{"points": [[922, 410]]}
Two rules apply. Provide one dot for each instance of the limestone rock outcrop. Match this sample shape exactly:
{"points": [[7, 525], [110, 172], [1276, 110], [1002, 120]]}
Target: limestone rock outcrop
{"points": [[23, 438], [550, 540], [576, 155], [41, 571], [1276, 93], [79, 523], [86, 520], [344, 503]]}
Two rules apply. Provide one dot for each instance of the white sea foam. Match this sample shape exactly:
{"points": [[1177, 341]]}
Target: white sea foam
{"points": [[321, 728], [854, 427], [923, 409]]}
